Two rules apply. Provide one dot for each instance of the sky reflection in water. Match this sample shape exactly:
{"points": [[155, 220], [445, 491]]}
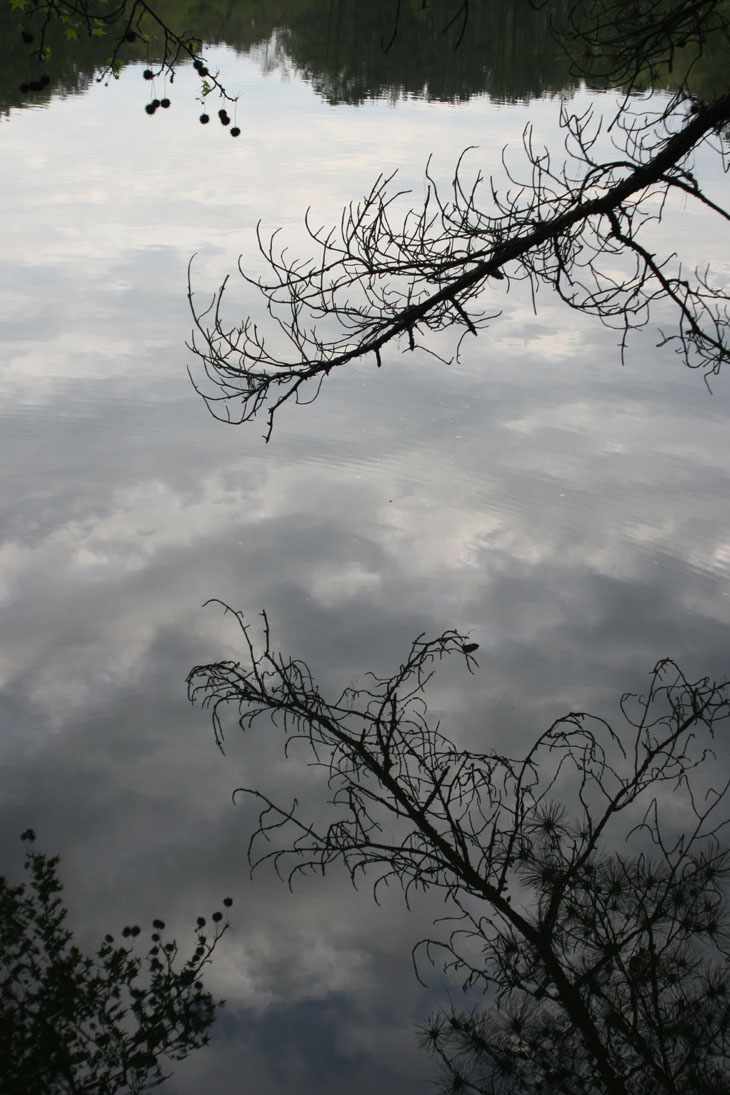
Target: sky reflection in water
{"points": [[570, 513]]}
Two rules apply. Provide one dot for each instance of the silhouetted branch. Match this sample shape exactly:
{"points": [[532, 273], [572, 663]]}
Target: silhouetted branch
{"points": [[124, 23], [588, 878], [379, 278], [629, 45]]}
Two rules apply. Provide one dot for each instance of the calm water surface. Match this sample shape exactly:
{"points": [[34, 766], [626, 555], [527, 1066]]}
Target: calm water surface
{"points": [[571, 513]]}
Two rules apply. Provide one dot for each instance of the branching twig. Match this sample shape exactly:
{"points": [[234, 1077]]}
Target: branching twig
{"points": [[586, 904], [376, 281]]}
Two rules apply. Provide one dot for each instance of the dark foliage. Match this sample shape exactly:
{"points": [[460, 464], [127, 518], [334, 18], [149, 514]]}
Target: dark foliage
{"points": [[103, 1023]]}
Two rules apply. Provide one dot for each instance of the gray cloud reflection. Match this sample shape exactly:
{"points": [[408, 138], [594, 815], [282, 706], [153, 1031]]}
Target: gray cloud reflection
{"points": [[571, 515]]}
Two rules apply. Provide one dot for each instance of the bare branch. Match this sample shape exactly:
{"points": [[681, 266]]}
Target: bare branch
{"points": [[378, 280], [588, 878]]}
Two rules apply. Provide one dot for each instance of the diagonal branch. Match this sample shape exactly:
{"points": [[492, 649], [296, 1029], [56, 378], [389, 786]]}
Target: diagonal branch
{"points": [[374, 283]]}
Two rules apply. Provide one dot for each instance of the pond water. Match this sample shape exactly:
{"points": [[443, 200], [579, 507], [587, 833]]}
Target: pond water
{"points": [[568, 512]]}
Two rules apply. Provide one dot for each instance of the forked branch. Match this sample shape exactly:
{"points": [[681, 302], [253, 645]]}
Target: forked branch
{"points": [[380, 279], [587, 877]]}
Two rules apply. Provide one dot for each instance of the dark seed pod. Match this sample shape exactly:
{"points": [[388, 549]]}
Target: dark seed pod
{"points": [[45, 79], [205, 118], [164, 103], [130, 36], [150, 108], [235, 131], [148, 74], [27, 37]]}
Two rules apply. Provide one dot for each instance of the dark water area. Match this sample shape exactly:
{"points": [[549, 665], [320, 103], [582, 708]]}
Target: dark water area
{"points": [[567, 511]]}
